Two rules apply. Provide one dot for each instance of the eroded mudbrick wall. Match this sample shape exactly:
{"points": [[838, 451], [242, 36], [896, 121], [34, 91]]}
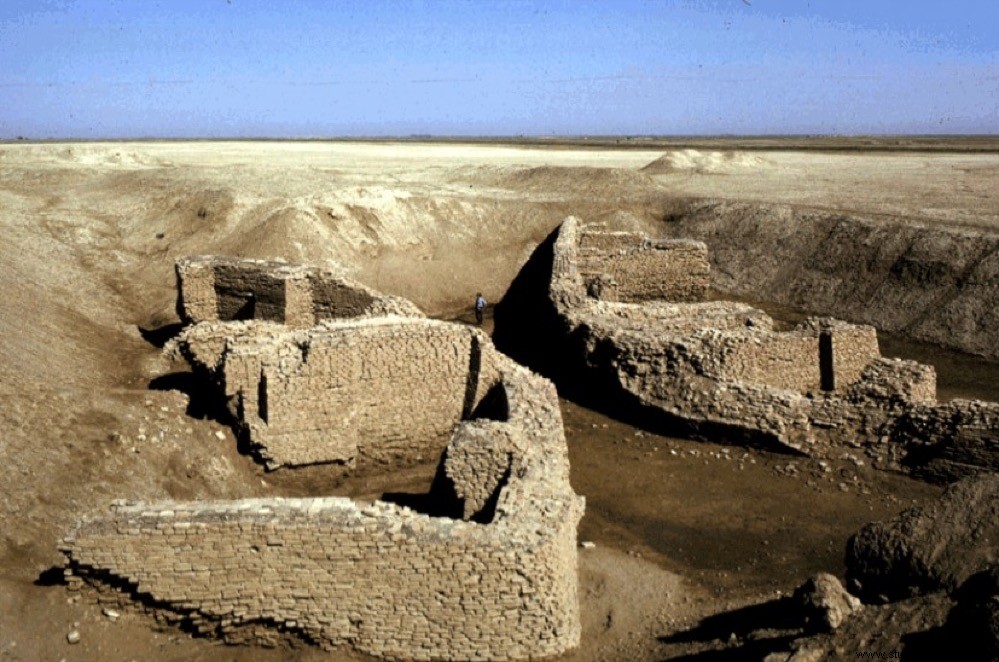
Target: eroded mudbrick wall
{"points": [[212, 288], [380, 389], [779, 360], [624, 266], [946, 440], [386, 581], [380, 578], [823, 355], [815, 388], [853, 347], [385, 389]]}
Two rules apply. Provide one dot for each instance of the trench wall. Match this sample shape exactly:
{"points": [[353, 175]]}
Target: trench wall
{"points": [[925, 281]]}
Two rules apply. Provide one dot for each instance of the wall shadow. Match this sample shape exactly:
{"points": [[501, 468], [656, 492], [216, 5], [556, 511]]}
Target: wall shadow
{"points": [[159, 336], [205, 402], [440, 500], [53, 576], [764, 628]]}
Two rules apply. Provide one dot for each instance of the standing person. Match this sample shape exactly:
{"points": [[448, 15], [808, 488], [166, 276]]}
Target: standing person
{"points": [[480, 305]]}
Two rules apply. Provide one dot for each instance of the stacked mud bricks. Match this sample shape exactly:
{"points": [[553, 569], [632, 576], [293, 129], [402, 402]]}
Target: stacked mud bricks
{"points": [[212, 288], [625, 266], [499, 583], [721, 366]]}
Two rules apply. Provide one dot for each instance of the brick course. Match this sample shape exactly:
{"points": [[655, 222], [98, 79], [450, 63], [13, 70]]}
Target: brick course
{"points": [[815, 389], [380, 578]]}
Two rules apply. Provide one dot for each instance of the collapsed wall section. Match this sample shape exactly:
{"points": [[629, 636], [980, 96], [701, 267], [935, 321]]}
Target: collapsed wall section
{"points": [[946, 442], [813, 389]]}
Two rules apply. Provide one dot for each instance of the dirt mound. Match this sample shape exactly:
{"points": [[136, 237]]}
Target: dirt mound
{"points": [[87, 154], [573, 181], [928, 549], [692, 160]]}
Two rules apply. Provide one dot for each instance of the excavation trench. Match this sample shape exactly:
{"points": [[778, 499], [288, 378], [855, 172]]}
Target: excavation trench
{"points": [[913, 278]]}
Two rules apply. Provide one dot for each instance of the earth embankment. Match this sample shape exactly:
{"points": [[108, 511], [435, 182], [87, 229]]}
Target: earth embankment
{"points": [[929, 282]]}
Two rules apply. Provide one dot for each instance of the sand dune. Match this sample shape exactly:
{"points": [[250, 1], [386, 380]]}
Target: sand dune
{"points": [[692, 160]]}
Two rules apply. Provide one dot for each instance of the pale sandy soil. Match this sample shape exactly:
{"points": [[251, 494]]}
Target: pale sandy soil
{"points": [[953, 189], [88, 236]]}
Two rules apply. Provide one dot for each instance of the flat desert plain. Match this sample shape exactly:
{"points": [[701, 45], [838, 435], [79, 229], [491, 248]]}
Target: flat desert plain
{"points": [[683, 530]]}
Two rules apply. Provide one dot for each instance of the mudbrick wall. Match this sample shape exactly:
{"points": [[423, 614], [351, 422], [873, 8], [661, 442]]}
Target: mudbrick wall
{"points": [[339, 391], [385, 389], [627, 266], [721, 366], [212, 288], [380, 578], [370, 390]]}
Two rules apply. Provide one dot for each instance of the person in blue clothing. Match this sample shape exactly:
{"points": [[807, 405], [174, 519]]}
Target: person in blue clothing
{"points": [[480, 305]]}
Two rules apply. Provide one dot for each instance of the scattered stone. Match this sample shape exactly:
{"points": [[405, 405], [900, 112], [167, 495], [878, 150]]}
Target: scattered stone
{"points": [[825, 603], [587, 544], [220, 435], [73, 637], [111, 614]]}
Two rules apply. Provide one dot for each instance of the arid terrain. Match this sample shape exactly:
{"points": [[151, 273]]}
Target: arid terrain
{"points": [[904, 239]]}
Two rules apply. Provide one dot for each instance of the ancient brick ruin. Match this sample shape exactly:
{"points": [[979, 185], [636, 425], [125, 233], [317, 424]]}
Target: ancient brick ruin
{"points": [[634, 312], [319, 369]]}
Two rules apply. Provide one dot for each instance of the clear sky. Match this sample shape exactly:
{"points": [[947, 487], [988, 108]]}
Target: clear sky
{"points": [[286, 68]]}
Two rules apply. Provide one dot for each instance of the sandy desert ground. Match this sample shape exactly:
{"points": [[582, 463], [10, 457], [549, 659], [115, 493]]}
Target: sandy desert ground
{"points": [[88, 236]]}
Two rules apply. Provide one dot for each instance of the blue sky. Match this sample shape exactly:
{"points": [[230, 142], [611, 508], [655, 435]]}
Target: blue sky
{"points": [[239, 68]]}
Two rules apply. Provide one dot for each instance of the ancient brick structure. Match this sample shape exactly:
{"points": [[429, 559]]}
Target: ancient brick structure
{"points": [[212, 288], [626, 266], [498, 583], [378, 390], [722, 366]]}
